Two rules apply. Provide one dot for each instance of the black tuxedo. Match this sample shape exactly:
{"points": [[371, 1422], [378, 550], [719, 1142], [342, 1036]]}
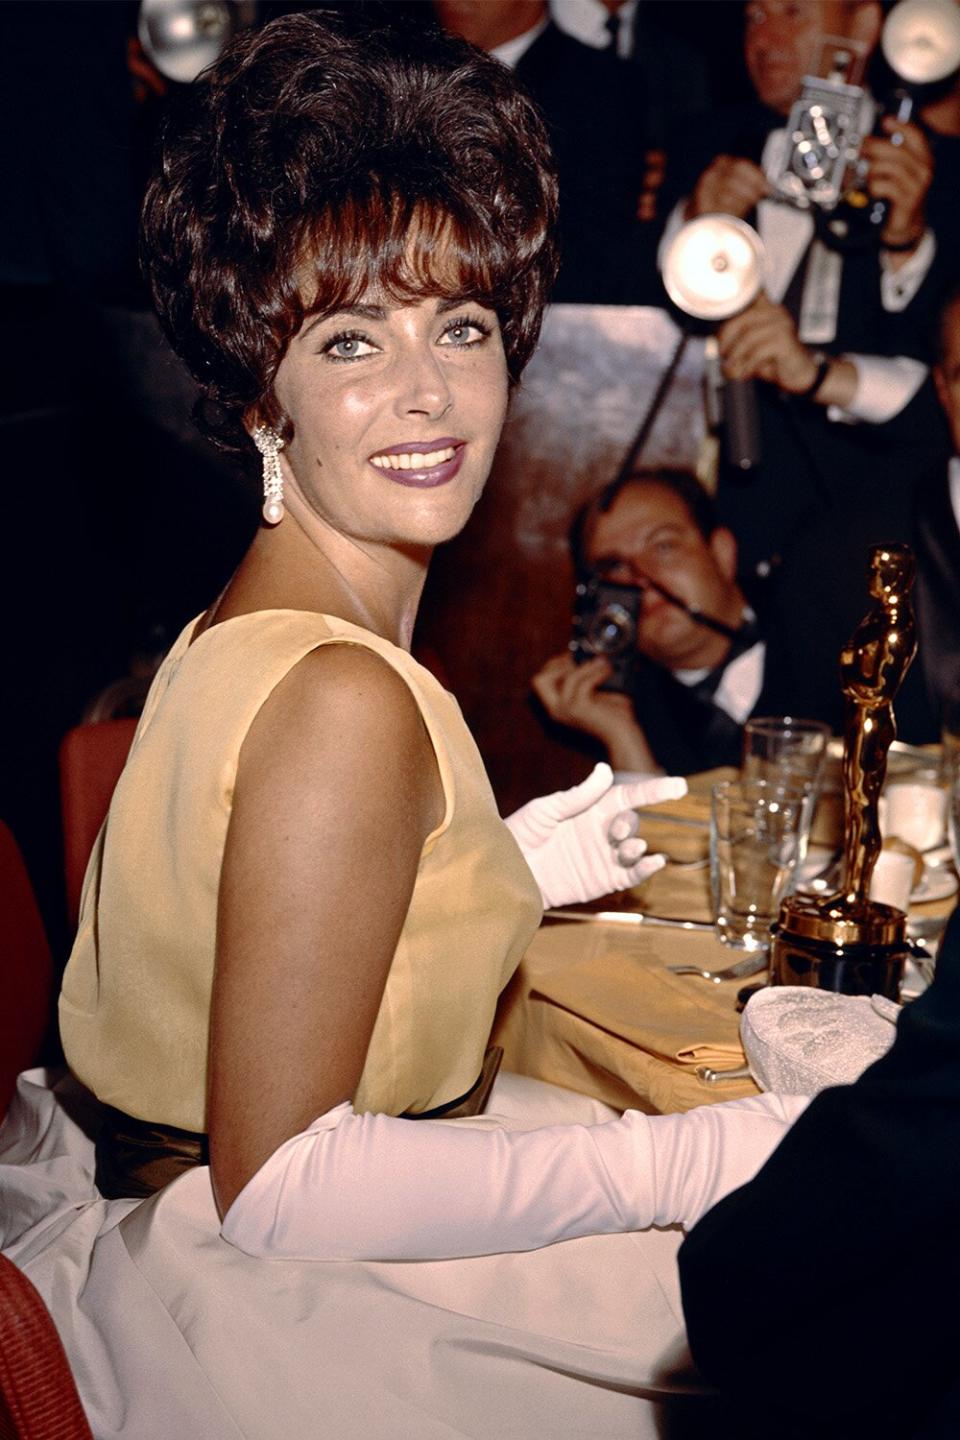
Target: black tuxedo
{"points": [[593, 109], [937, 543], [686, 731], [801, 676], [819, 1297]]}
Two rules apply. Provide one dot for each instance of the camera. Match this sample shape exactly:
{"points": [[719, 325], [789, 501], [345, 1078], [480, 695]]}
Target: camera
{"points": [[821, 167], [605, 623]]}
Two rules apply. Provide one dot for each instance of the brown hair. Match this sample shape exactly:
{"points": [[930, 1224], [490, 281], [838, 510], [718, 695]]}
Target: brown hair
{"points": [[681, 483], [313, 162]]}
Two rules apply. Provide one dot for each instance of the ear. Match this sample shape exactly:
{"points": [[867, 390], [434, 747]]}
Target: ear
{"points": [[723, 548]]}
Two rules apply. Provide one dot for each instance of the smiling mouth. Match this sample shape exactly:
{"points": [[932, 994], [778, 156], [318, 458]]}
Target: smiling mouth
{"points": [[420, 465], [414, 461]]}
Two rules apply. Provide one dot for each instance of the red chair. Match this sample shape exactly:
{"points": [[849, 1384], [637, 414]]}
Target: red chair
{"points": [[26, 971], [91, 759], [38, 1397]]}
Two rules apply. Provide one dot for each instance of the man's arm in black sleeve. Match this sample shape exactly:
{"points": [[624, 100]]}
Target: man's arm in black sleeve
{"points": [[823, 1293]]}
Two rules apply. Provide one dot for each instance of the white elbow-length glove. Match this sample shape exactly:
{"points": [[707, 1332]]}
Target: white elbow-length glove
{"points": [[371, 1187], [583, 842]]}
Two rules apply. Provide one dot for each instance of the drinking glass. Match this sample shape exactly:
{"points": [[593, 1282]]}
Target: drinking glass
{"points": [[791, 752], [755, 846]]}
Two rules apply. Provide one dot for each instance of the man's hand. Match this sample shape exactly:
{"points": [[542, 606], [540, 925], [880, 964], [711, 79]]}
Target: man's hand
{"points": [[571, 695], [761, 343], [901, 169], [728, 186]]}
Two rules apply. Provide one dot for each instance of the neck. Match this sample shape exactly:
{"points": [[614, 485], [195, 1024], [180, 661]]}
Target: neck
{"points": [[290, 567], [711, 651], [488, 28]]}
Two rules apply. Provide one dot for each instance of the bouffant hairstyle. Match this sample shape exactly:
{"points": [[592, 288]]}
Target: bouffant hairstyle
{"points": [[315, 161]]}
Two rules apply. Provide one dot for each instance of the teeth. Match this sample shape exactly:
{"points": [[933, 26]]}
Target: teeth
{"points": [[415, 461]]}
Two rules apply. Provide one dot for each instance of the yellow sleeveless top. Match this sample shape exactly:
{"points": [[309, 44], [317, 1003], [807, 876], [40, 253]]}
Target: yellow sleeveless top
{"points": [[135, 1002]]}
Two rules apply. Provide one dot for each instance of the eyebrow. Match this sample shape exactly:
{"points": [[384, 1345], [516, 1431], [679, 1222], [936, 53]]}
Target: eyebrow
{"points": [[360, 311], [356, 312]]}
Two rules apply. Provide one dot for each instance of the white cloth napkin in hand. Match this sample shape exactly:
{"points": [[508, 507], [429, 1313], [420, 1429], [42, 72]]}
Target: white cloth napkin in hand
{"points": [[583, 843], [798, 1040]]}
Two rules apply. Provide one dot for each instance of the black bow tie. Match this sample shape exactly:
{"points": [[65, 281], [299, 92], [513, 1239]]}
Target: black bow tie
{"points": [[746, 637]]}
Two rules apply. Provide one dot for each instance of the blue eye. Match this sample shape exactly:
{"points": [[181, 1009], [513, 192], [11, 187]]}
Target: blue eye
{"points": [[464, 332], [349, 345]]}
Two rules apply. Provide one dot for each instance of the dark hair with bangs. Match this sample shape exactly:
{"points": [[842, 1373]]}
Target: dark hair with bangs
{"points": [[314, 161]]}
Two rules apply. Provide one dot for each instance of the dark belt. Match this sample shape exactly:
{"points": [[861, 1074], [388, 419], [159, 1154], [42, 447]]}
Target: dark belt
{"points": [[136, 1158]]}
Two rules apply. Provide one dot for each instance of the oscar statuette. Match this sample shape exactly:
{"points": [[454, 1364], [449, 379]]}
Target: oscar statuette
{"points": [[846, 942]]}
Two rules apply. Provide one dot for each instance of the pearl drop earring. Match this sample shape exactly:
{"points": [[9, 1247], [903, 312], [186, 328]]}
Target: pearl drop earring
{"points": [[269, 443]]}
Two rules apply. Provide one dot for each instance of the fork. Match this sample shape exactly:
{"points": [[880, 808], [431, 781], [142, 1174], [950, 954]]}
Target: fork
{"points": [[749, 965], [707, 1075]]}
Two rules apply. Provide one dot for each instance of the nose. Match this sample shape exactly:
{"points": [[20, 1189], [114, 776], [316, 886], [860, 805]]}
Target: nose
{"points": [[423, 387]]}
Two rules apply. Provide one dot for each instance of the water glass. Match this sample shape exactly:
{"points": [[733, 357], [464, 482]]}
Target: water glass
{"points": [[953, 819], [787, 751], [783, 749], [755, 846]]}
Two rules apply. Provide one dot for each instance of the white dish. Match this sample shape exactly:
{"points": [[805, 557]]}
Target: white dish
{"points": [[938, 882]]}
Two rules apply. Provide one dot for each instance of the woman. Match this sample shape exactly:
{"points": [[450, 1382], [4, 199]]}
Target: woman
{"points": [[303, 905]]}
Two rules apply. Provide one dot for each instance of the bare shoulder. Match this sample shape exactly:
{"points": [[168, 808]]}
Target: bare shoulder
{"points": [[342, 720]]}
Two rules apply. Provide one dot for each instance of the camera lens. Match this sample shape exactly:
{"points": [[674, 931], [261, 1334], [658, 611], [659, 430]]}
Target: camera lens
{"points": [[611, 630]]}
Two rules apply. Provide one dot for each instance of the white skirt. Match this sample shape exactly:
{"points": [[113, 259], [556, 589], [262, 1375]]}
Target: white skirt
{"points": [[172, 1334]]}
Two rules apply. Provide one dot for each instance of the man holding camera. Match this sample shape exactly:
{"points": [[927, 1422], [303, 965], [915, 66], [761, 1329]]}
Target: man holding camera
{"points": [[700, 663], [837, 344]]}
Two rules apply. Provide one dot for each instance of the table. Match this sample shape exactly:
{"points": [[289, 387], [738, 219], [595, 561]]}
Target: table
{"points": [[593, 1008]]}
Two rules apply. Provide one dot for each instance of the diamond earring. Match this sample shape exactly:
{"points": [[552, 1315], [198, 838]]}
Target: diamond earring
{"points": [[269, 443]]}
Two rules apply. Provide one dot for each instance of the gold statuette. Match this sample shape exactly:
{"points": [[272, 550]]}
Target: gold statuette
{"points": [[848, 942]]}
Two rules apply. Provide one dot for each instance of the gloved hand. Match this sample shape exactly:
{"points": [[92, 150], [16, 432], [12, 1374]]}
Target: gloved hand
{"points": [[583, 842], [371, 1187]]}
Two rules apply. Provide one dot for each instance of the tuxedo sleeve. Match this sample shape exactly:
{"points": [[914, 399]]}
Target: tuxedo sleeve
{"points": [[807, 1290]]}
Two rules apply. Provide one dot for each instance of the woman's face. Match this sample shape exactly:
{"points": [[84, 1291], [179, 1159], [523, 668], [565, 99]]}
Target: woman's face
{"points": [[397, 409]]}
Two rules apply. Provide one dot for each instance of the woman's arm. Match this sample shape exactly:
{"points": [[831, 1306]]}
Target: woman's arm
{"points": [[371, 1187], [336, 783]]}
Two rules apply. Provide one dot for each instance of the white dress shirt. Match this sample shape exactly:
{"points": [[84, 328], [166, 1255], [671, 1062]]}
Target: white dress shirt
{"points": [[740, 684], [511, 50], [586, 20]]}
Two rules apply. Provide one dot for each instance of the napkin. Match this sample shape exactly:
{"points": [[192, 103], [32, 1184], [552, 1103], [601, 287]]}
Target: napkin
{"points": [[799, 1040], [614, 980], [619, 982]]}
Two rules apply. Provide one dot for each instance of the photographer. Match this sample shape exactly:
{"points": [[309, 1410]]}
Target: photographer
{"points": [[696, 677], [837, 344]]}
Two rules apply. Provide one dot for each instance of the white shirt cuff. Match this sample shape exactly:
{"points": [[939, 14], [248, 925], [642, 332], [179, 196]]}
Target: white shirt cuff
{"points": [[885, 386], [898, 287]]}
